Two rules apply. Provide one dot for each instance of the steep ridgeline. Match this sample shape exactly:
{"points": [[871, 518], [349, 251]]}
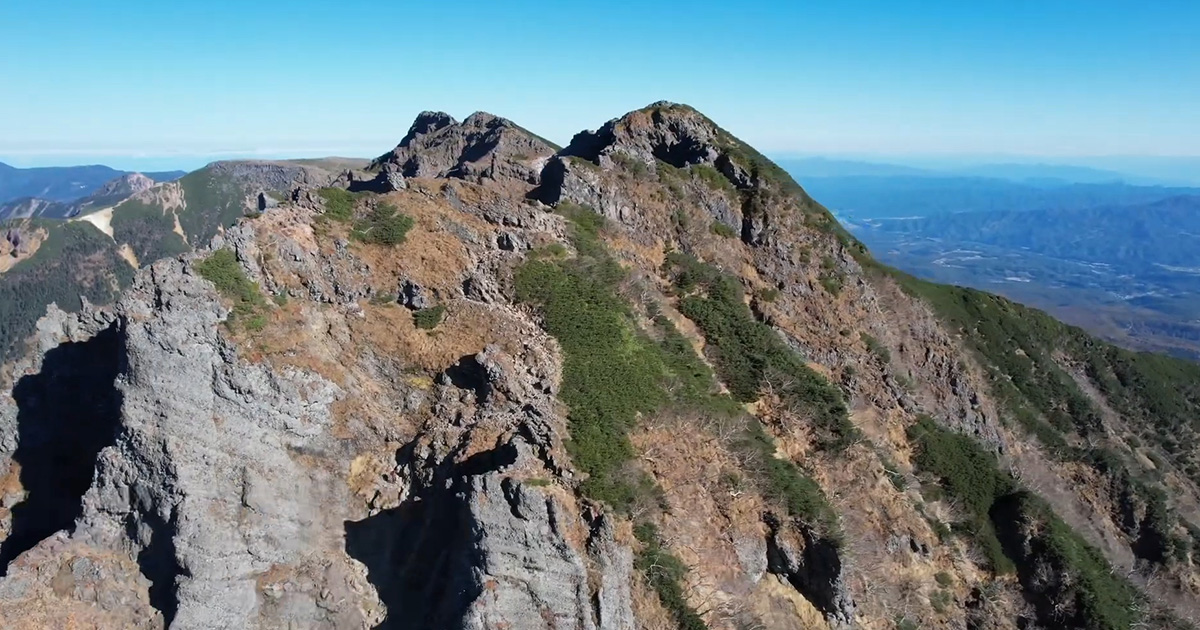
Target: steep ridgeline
{"points": [[127, 223], [643, 381]]}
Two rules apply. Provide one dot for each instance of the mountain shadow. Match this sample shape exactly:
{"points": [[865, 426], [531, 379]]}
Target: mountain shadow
{"points": [[67, 413], [421, 556]]}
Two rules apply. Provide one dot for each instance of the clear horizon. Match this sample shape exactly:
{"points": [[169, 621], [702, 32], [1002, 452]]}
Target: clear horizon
{"points": [[1171, 170], [182, 84], [133, 160]]}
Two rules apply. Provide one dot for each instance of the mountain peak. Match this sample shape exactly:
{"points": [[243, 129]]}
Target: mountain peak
{"points": [[676, 134], [680, 136], [125, 185], [676, 146], [482, 118], [427, 122], [484, 146]]}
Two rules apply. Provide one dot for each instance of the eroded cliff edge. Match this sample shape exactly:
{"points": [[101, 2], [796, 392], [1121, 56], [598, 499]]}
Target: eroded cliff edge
{"points": [[376, 436]]}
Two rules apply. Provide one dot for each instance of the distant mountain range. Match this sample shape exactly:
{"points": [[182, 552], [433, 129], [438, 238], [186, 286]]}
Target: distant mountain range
{"points": [[874, 197], [1142, 172], [1162, 234], [63, 183], [106, 196], [1121, 260]]}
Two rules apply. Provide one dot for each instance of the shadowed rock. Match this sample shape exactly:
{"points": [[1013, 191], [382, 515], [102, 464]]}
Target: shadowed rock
{"points": [[476, 550], [813, 567], [67, 413]]}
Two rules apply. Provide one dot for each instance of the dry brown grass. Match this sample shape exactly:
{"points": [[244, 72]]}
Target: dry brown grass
{"points": [[636, 253], [467, 328], [299, 335], [430, 256], [776, 605], [647, 609], [60, 605], [709, 516]]}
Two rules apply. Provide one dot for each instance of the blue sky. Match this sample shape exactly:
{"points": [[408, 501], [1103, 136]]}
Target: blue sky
{"points": [[139, 84]]}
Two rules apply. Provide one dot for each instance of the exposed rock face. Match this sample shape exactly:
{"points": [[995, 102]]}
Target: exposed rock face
{"points": [[191, 485], [389, 178], [575, 181], [224, 451], [339, 466], [481, 147], [13, 237], [667, 133], [271, 175], [614, 562], [125, 185], [467, 544], [59, 436], [218, 497], [486, 552], [675, 134], [814, 567], [427, 122]]}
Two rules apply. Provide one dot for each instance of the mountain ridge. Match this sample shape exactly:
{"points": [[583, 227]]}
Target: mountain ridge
{"points": [[63, 183], [659, 385], [107, 195]]}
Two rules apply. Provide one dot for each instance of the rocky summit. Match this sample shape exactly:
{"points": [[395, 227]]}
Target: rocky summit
{"points": [[481, 147], [640, 382]]}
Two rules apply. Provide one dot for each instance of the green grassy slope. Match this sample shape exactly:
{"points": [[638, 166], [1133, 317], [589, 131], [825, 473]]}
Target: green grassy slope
{"points": [[75, 260]]}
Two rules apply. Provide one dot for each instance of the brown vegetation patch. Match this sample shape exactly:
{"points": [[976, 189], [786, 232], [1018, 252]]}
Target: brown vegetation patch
{"points": [[467, 328], [648, 610], [714, 508], [298, 335], [433, 254], [31, 240]]}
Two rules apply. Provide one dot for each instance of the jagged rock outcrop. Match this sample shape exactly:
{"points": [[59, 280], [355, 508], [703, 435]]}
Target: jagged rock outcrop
{"points": [[191, 485], [464, 542], [389, 177], [378, 439], [216, 496], [744, 186], [484, 552], [675, 134], [481, 147], [11, 246]]}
